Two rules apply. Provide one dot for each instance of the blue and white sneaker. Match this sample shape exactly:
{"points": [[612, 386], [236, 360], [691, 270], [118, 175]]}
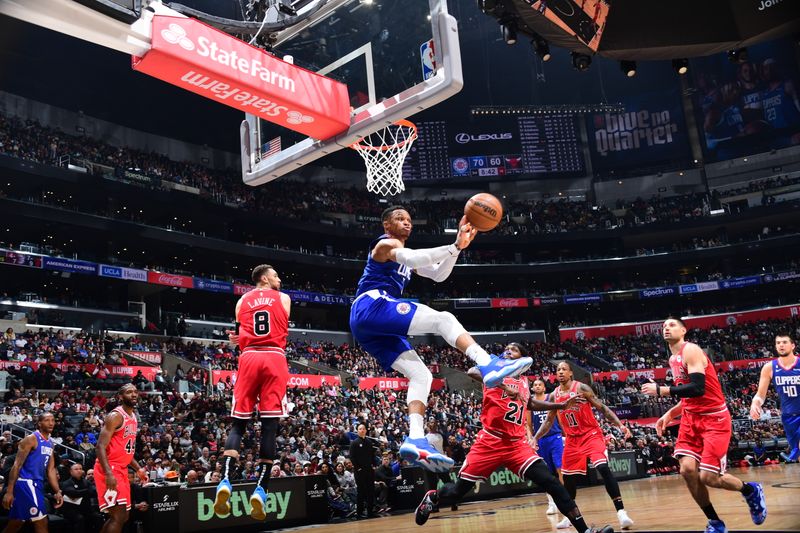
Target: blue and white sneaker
{"points": [[258, 504], [500, 368], [221, 504], [420, 451], [716, 526], [757, 504], [792, 457]]}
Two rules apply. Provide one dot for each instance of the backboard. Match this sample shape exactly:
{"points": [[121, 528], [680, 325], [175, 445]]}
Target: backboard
{"points": [[397, 58]]}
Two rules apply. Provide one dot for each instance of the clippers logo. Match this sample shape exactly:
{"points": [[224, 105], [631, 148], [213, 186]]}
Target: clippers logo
{"points": [[403, 308], [296, 117], [464, 138], [175, 34]]}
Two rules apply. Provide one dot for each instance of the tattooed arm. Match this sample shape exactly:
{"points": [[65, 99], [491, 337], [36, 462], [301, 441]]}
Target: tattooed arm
{"points": [[588, 393]]}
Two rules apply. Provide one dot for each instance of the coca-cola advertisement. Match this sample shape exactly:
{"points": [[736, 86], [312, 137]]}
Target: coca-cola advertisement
{"points": [[509, 302], [172, 280]]}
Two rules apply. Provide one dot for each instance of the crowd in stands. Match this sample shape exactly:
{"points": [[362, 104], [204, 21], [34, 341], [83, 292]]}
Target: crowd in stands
{"points": [[31, 141]]}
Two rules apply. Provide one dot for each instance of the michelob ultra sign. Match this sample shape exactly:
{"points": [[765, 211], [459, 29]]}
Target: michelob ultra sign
{"points": [[211, 63]]}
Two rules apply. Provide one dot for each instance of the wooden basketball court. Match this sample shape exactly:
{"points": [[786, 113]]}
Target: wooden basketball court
{"points": [[660, 504]]}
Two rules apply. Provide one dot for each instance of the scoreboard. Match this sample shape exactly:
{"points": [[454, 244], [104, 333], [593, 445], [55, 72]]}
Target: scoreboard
{"points": [[496, 147]]}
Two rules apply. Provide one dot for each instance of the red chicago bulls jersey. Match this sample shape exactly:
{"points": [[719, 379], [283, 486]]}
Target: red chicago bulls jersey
{"points": [[263, 321], [501, 416], [123, 442], [578, 420], [712, 401]]}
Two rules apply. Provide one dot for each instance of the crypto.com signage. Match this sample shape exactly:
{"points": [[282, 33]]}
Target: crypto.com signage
{"points": [[211, 63]]}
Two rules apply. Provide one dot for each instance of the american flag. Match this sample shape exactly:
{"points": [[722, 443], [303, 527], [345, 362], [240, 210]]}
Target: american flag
{"points": [[271, 147]]}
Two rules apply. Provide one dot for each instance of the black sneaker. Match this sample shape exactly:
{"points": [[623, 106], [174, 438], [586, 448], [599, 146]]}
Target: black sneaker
{"points": [[426, 506]]}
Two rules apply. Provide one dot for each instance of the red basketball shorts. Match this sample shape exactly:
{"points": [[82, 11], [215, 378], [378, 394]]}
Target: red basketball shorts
{"points": [[577, 450], [489, 453], [705, 438], [109, 499], [260, 383]]}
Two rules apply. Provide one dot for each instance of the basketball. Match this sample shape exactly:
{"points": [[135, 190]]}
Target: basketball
{"points": [[483, 211]]}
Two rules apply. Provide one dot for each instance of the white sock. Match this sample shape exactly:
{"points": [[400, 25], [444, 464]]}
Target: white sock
{"points": [[478, 354], [416, 429]]}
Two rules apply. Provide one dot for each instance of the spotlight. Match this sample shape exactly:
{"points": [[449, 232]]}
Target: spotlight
{"points": [[509, 33], [542, 48], [681, 66], [581, 62], [628, 68], [739, 55]]}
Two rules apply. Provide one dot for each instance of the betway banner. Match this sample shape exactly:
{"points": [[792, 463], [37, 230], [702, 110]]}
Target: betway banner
{"points": [[172, 280], [211, 63], [63, 264], [149, 372], [509, 302], [394, 383], [150, 357], [700, 322], [302, 381], [134, 274]]}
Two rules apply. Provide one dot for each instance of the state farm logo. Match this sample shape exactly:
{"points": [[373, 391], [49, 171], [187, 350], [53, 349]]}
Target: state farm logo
{"points": [[464, 138], [245, 60], [175, 34], [166, 279], [296, 117]]}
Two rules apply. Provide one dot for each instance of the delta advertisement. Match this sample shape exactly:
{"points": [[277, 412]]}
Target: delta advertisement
{"points": [[749, 106], [651, 130], [701, 322], [302, 381]]}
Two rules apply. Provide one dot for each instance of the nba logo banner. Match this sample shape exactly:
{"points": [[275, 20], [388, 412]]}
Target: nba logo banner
{"points": [[428, 59]]}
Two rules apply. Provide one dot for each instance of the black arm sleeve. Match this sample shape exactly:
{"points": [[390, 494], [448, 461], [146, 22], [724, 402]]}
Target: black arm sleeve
{"points": [[697, 387]]}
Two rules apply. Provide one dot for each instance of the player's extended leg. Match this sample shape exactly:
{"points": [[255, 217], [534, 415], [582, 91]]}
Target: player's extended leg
{"points": [[449, 494], [444, 324], [416, 447], [230, 457], [690, 472], [40, 526], [266, 452], [13, 526], [539, 473], [117, 516], [612, 488], [753, 492]]}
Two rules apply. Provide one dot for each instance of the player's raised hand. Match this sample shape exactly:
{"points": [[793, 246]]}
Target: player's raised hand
{"points": [[466, 233], [232, 336], [650, 389]]}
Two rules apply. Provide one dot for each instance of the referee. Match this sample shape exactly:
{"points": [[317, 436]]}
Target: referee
{"points": [[362, 454]]}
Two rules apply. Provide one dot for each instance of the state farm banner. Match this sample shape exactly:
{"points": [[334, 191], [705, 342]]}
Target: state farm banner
{"points": [[148, 372], [394, 383], [213, 64], [699, 322], [173, 280], [509, 302], [301, 381], [150, 357]]}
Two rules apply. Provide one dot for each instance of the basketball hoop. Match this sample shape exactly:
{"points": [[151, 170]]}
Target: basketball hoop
{"points": [[384, 152]]}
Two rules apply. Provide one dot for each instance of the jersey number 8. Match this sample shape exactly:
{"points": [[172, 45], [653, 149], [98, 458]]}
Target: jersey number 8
{"points": [[261, 323]]}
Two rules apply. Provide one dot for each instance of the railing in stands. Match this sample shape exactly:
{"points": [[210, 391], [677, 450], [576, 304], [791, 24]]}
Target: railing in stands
{"points": [[11, 427]]}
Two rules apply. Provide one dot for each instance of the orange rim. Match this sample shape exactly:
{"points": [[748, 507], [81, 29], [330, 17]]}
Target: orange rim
{"points": [[406, 123]]}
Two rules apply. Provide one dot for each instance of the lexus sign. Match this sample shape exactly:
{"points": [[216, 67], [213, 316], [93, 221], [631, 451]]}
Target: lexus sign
{"points": [[464, 138]]}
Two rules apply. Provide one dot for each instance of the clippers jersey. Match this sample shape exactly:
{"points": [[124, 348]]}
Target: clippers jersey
{"points": [[390, 276], [35, 464], [787, 385], [262, 320], [779, 109], [578, 420], [123, 443], [712, 401], [538, 418], [501, 416]]}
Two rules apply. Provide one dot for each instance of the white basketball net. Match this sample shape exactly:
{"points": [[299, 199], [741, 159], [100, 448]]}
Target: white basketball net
{"points": [[384, 152]]}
